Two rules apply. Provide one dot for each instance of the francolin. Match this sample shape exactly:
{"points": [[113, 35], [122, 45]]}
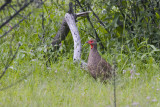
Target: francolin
{"points": [[97, 66]]}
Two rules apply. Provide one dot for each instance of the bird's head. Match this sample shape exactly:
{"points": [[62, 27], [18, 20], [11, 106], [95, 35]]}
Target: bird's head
{"points": [[93, 43]]}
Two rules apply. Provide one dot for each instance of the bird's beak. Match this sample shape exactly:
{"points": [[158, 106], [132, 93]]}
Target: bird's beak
{"points": [[87, 42]]}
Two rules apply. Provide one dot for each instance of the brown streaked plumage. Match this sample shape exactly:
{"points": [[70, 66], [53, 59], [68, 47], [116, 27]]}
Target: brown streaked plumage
{"points": [[97, 66]]}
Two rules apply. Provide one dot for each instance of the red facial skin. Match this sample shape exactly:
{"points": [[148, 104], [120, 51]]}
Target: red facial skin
{"points": [[90, 42]]}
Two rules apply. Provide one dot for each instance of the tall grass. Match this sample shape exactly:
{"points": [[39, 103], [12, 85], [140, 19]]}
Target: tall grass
{"points": [[65, 84]]}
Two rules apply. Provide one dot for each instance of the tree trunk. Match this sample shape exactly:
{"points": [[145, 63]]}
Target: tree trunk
{"points": [[69, 23]]}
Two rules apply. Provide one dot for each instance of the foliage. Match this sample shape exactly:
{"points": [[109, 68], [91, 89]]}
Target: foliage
{"points": [[131, 37]]}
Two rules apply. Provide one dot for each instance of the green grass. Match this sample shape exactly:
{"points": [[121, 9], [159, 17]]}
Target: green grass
{"points": [[65, 84]]}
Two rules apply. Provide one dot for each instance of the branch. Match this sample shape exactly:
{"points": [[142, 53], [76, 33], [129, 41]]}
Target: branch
{"points": [[75, 33], [5, 4], [64, 30], [20, 80], [16, 13], [99, 19], [14, 26], [8, 64], [97, 37], [61, 35], [114, 80], [69, 23], [20, 21], [82, 14]]}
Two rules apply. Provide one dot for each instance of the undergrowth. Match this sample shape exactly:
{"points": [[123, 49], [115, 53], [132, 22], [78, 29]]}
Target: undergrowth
{"points": [[65, 84], [40, 77]]}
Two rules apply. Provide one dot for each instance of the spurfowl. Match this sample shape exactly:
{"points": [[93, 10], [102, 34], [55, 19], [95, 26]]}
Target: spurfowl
{"points": [[97, 66]]}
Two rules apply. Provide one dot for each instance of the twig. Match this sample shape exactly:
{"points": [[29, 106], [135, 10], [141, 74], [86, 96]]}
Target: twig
{"points": [[43, 29], [114, 82], [82, 14], [97, 38], [8, 64], [99, 19], [20, 21], [86, 32], [16, 13], [71, 11], [20, 80], [14, 26], [114, 88], [5, 4]]}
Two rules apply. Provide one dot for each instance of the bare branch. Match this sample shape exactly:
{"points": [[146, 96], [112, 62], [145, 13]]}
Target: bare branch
{"points": [[99, 19], [8, 63], [20, 21], [97, 37], [114, 80], [16, 13], [5, 4], [64, 30], [75, 33], [20, 80], [62, 33], [15, 26], [82, 14]]}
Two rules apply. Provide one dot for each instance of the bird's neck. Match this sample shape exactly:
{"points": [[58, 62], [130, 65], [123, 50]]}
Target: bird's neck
{"points": [[94, 54], [93, 50], [93, 47]]}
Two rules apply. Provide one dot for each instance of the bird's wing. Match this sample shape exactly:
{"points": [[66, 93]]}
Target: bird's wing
{"points": [[104, 67]]}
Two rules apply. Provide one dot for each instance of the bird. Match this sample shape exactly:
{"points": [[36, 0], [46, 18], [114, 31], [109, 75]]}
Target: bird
{"points": [[97, 66]]}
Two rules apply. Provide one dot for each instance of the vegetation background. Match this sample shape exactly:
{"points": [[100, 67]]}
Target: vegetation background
{"points": [[130, 34]]}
